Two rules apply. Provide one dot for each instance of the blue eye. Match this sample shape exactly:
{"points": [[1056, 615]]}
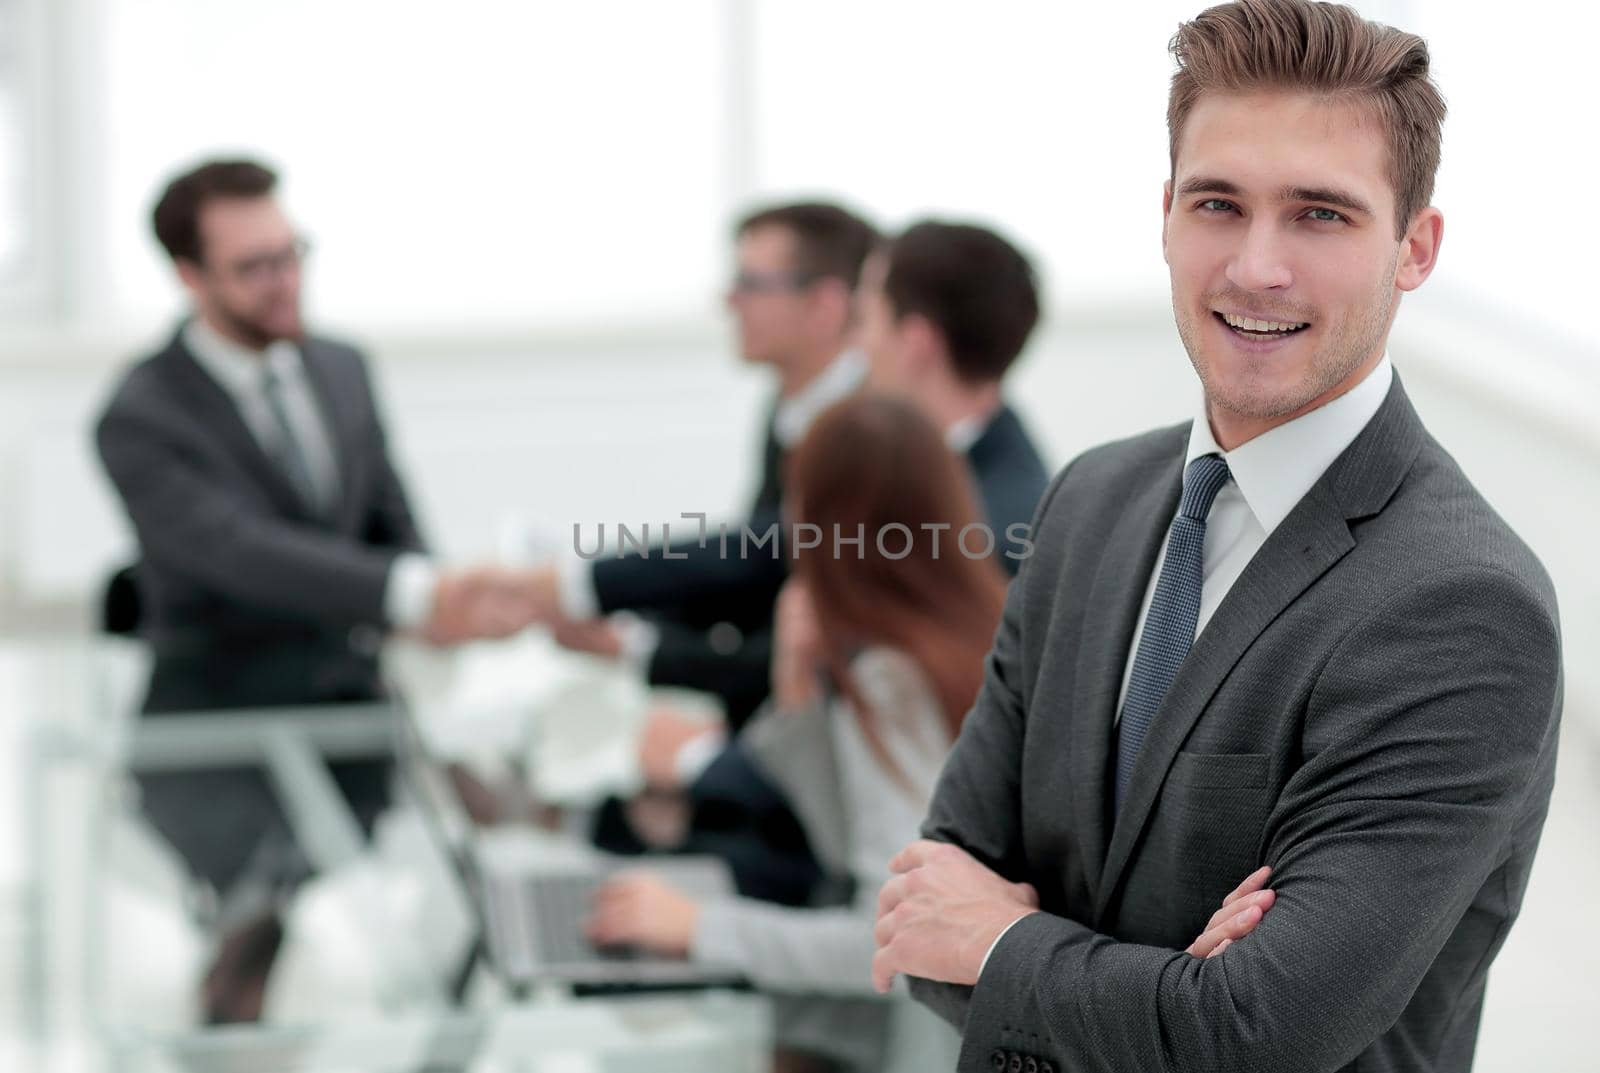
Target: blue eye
{"points": [[1327, 215], [1216, 204]]}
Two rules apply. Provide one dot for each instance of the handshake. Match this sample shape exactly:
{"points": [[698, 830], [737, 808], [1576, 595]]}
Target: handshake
{"points": [[490, 602]]}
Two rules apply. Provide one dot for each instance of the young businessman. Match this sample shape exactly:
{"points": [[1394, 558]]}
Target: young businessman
{"points": [[1290, 634]]}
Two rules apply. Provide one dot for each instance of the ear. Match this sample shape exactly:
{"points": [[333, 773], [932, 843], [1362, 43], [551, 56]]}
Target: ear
{"points": [[832, 303], [1419, 249], [924, 344], [190, 274], [1166, 215]]}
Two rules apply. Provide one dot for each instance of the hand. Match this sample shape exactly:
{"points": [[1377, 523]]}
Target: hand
{"points": [[471, 605], [596, 636], [666, 732], [1240, 913], [797, 649], [940, 913], [642, 909], [540, 591]]}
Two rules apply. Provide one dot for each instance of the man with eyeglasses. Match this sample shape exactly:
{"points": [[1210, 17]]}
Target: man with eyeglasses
{"points": [[700, 618], [277, 541], [792, 306]]}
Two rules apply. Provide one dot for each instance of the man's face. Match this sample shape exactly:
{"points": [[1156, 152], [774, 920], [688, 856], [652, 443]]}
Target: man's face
{"points": [[770, 301], [1279, 233], [882, 338], [248, 279]]}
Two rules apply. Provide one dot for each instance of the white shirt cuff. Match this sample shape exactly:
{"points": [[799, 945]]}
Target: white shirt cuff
{"points": [[696, 755], [639, 640], [408, 594], [575, 588], [997, 938]]}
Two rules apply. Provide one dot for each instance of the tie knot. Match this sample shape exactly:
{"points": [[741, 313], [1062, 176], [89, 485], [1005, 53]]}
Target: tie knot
{"points": [[1201, 482]]}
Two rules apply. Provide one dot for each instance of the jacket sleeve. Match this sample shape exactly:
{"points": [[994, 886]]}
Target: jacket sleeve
{"points": [[697, 581], [738, 673], [193, 524], [822, 951]]}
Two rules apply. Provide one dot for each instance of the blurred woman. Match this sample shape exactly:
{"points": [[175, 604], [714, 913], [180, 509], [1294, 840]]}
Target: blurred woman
{"points": [[880, 639]]}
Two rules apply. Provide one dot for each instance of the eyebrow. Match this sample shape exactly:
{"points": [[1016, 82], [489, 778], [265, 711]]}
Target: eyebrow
{"points": [[1202, 184]]}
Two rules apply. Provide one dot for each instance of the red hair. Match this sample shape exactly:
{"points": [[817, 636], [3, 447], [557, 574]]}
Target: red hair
{"points": [[875, 467]]}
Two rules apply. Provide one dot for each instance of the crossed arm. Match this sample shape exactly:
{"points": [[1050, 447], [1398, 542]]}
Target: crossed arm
{"points": [[1413, 785]]}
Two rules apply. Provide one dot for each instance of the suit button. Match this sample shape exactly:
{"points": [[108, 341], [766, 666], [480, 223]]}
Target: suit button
{"points": [[1015, 1065], [997, 1059], [1030, 1065]]}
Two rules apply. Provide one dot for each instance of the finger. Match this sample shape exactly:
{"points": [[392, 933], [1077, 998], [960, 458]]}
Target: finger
{"points": [[883, 932], [913, 856], [1235, 927], [891, 894], [1252, 883], [882, 971], [1220, 948], [1262, 899]]}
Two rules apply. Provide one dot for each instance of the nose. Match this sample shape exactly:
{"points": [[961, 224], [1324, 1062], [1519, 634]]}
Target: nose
{"points": [[1260, 264]]}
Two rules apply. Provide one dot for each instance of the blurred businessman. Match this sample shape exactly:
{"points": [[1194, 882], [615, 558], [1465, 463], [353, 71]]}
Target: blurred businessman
{"points": [[277, 543], [707, 616]]}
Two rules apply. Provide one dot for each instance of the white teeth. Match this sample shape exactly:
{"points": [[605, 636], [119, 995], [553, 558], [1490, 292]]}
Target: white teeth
{"points": [[1251, 325]]}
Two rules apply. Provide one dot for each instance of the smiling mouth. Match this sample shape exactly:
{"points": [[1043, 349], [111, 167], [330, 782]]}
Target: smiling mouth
{"points": [[1250, 328]]}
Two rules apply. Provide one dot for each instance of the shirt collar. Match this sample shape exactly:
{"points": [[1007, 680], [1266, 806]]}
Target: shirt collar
{"points": [[795, 413], [960, 436], [1275, 470], [236, 367]]}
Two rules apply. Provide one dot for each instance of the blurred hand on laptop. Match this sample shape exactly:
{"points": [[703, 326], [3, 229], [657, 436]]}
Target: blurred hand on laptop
{"points": [[640, 909]]}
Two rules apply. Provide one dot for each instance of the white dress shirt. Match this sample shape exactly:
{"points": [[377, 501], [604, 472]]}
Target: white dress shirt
{"points": [[1269, 476], [242, 373]]}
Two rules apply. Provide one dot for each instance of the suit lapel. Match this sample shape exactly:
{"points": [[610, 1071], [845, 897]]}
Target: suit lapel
{"points": [[1118, 586], [1314, 537], [215, 410]]}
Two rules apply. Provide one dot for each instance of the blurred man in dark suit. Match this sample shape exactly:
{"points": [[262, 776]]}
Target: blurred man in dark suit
{"points": [[277, 542], [706, 617]]}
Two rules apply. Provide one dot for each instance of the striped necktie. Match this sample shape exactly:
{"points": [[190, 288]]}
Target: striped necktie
{"points": [[291, 454]]}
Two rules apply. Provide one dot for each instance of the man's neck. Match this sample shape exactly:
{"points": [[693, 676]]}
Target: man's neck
{"points": [[949, 404], [1232, 430], [797, 375], [224, 329]]}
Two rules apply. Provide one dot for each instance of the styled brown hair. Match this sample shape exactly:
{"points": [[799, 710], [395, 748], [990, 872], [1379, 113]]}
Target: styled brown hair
{"points": [[830, 242], [1323, 49], [867, 464], [977, 289], [176, 217]]}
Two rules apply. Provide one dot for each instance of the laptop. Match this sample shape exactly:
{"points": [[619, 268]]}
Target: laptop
{"points": [[529, 896]]}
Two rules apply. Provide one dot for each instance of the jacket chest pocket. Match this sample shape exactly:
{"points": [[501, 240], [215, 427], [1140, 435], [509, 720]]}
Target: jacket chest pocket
{"points": [[1204, 838]]}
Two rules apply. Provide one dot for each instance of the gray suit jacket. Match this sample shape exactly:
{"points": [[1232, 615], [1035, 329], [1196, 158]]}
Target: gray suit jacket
{"points": [[1372, 711], [247, 599]]}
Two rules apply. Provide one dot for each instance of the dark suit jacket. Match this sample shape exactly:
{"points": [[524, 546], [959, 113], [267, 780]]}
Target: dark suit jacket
{"points": [[246, 598], [1372, 711], [696, 598]]}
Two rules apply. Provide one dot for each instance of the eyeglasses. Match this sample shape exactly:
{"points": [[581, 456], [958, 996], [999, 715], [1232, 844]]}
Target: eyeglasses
{"points": [[268, 266], [771, 282]]}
